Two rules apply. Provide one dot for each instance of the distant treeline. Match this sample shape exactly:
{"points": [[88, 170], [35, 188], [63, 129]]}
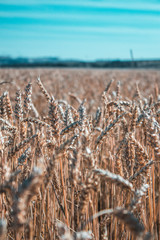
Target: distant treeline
{"points": [[56, 62]]}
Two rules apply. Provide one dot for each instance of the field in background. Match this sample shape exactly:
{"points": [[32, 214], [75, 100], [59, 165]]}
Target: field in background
{"points": [[83, 83], [77, 142]]}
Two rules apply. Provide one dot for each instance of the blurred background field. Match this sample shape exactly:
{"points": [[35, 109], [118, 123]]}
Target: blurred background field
{"points": [[84, 83]]}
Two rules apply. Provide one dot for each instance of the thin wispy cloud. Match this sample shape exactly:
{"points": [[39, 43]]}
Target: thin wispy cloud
{"points": [[136, 4]]}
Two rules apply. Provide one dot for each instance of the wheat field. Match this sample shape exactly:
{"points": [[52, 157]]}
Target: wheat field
{"points": [[79, 154]]}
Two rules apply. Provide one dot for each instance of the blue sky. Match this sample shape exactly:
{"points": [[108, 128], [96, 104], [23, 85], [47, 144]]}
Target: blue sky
{"points": [[84, 29]]}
